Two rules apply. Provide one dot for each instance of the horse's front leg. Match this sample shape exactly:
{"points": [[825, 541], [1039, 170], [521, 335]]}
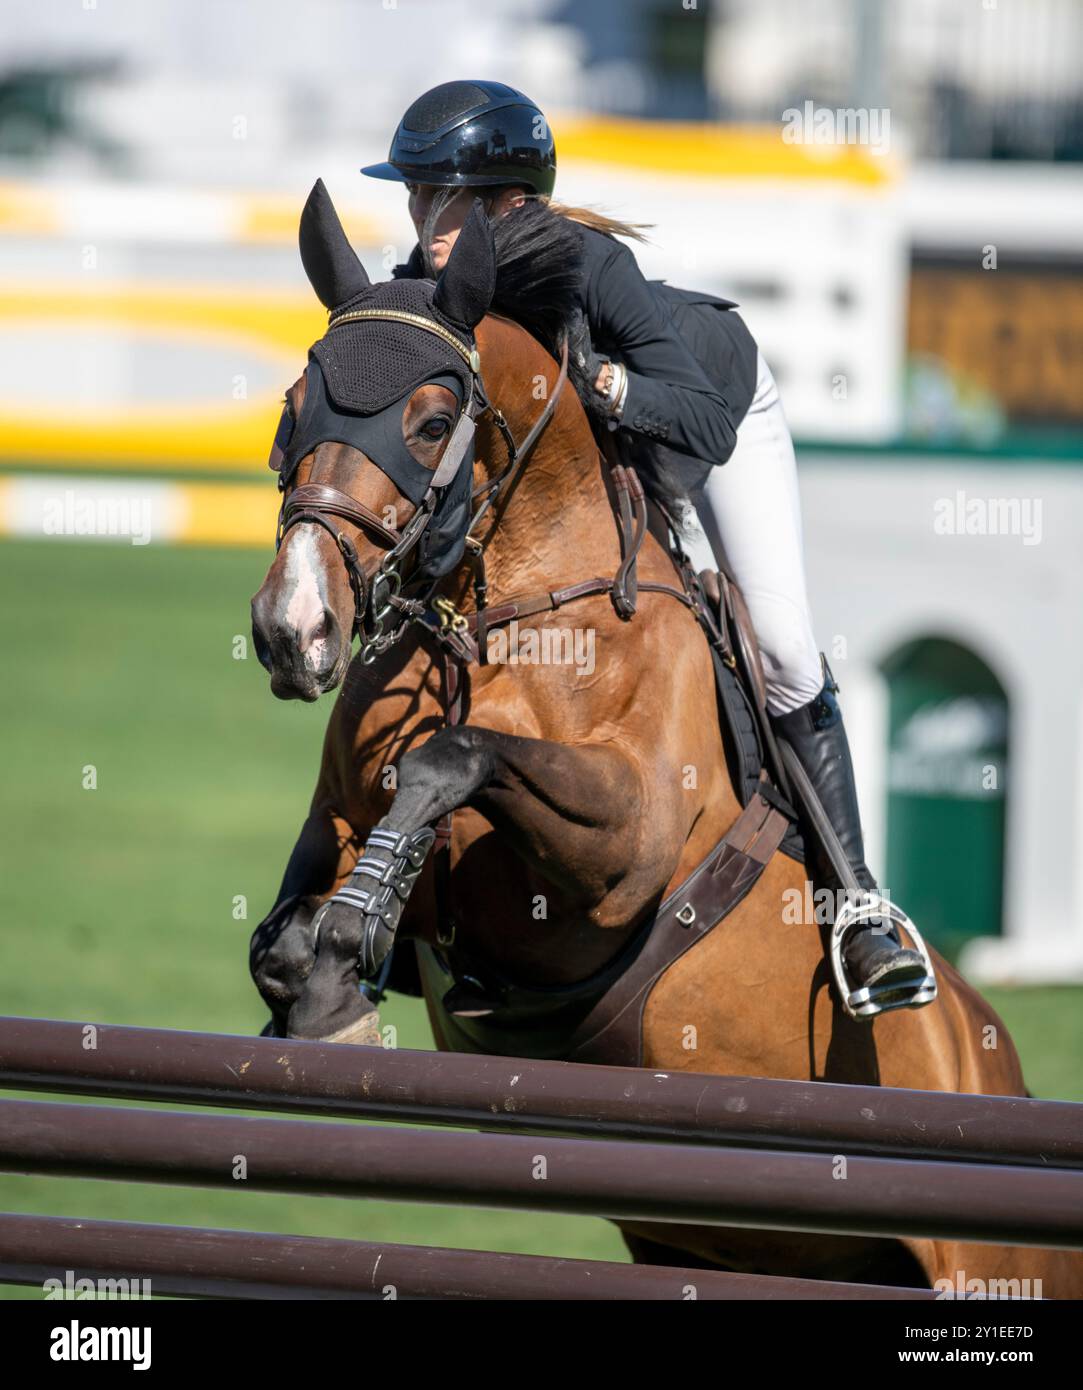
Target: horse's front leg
{"points": [[281, 952], [574, 813]]}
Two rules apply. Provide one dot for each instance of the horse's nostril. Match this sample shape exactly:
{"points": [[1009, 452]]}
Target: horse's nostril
{"points": [[316, 633], [319, 644]]}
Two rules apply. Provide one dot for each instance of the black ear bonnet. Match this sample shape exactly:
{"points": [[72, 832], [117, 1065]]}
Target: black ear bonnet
{"points": [[370, 363], [382, 343], [360, 378], [378, 435], [361, 375]]}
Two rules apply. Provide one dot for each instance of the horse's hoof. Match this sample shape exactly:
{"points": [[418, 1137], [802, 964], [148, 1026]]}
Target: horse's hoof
{"points": [[363, 1032]]}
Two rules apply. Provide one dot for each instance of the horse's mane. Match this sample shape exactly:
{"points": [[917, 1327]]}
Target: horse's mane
{"points": [[538, 260], [539, 254]]}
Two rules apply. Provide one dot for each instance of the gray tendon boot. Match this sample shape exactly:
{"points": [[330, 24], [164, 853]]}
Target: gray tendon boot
{"points": [[885, 974]]}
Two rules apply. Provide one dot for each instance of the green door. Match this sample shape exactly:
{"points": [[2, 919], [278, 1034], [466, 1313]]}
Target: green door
{"points": [[947, 783]]}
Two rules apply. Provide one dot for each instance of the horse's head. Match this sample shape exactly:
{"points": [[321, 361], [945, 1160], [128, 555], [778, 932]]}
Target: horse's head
{"points": [[374, 451]]}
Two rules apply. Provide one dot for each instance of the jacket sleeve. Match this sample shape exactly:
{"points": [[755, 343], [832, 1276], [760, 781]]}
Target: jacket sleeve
{"points": [[669, 397]]}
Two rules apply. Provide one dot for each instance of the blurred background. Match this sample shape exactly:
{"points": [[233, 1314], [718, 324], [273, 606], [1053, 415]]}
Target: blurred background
{"points": [[894, 195]]}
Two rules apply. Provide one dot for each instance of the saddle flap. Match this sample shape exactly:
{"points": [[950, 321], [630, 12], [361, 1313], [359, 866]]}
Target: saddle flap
{"points": [[743, 636]]}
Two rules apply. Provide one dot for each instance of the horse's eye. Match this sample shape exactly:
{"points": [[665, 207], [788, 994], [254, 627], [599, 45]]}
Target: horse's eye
{"points": [[435, 428]]}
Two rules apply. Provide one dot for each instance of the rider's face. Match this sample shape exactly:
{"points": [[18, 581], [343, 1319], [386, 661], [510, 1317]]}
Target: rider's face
{"points": [[453, 215]]}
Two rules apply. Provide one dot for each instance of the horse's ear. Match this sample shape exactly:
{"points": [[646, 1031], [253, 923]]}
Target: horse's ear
{"points": [[465, 288], [329, 260]]}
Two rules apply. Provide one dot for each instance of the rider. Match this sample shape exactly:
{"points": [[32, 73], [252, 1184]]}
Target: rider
{"points": [[464, 140]]}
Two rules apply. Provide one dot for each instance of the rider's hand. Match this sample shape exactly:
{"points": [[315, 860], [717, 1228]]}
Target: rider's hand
{"points": [[593, 365]]}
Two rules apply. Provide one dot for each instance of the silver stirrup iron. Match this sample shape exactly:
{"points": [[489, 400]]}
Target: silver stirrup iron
{"points": [[862, 905], [867, 1002]]}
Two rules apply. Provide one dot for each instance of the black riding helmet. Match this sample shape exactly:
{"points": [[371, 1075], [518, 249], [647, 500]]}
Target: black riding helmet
{"points": [[472, 133]]}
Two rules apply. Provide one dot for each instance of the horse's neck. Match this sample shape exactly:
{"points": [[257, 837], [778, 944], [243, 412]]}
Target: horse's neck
{"points": [[555, 525]]}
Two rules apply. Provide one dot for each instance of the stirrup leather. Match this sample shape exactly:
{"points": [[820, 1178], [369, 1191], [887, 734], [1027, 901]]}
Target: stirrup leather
{"points": [[871, 1000]]}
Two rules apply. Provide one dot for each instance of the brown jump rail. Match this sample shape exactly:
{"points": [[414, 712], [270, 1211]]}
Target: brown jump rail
{"points": [[622, 1180], [734, 1151], [197, 1263], [552, 1097]]}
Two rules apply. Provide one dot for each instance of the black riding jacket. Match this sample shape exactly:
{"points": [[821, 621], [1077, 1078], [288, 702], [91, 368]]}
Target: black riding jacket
{"points": [[691, 361]]}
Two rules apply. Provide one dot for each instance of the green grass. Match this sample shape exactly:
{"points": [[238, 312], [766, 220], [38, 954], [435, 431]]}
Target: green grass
{"points": [[120, 900], [1046, 1025]]}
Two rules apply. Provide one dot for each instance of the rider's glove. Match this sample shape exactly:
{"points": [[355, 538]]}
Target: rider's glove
{"points": [[586, 364], [581, 349]]}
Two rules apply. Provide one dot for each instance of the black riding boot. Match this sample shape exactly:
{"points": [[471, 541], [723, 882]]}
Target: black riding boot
{"points": [[872, 953]]}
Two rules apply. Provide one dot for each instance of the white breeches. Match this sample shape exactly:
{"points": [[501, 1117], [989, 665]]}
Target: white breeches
{"points": [[756, 512]]}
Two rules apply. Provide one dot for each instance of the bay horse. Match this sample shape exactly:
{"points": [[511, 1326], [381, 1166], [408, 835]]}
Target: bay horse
{"points": [[581, 797]]}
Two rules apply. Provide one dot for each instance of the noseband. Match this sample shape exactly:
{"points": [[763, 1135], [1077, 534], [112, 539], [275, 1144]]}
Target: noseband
{"points": [[376, 602], [322, 505]]}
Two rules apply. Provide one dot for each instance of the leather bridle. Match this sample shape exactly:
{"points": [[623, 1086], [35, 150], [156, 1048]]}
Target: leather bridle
{"points": [[376, 600]]}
